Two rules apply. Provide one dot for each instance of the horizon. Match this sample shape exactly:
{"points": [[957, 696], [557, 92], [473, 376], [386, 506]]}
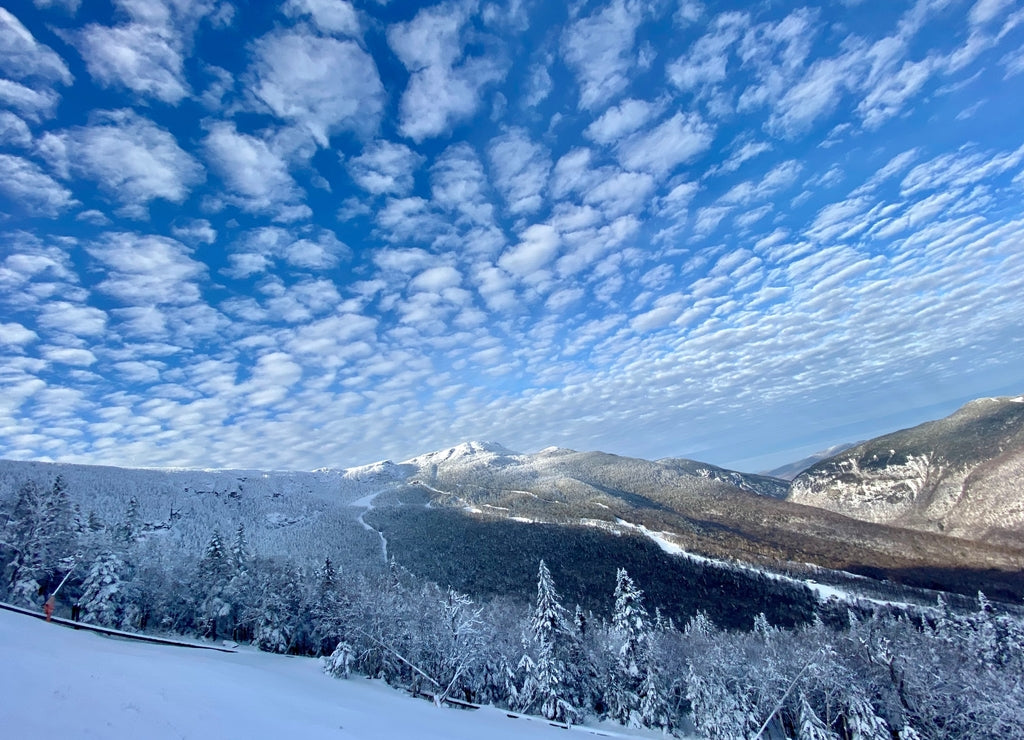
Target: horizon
{"points": [[240, 237]]}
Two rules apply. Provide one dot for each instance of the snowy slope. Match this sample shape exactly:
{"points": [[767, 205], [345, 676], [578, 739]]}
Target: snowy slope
{"points": [[56, 682]]}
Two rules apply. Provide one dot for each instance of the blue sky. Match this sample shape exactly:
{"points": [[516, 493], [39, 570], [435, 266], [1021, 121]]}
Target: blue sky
{"points": [[322, 233]]}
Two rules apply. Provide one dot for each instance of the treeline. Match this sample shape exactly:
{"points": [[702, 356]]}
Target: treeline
{"points": [[933, 673]]}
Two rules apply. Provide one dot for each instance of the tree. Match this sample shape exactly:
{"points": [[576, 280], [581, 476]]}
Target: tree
{"points": [[215, 615], [549, 630], [37, 539], [654, 703], [811, 727], [103, 599], [862, 723], [630, 624]]}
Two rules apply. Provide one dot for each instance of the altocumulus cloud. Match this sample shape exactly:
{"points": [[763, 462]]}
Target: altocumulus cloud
{"points": [[324, 233]]}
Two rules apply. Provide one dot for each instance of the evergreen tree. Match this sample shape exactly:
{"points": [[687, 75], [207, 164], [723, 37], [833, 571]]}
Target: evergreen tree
{"points": [[128, 531], [654, 710], [862, 723], [630, 623], [103, 599], [37, 540], [326, 612], [549, 629], [215, 616], [239, 556], [811, 727]]}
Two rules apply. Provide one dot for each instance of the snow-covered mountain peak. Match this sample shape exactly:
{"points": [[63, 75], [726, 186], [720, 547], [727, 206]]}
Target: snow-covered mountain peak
{"points": [[383, 470], [555, 451], [463, 453]]}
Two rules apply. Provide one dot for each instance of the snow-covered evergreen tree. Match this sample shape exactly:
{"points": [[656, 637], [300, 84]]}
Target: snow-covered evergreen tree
{"points": [[862, 722], [239, 555], [215, 618], [36, 541], [811, 727], [654, 711], [549, 630], [719, 712], [104, 601], [631, 628]]}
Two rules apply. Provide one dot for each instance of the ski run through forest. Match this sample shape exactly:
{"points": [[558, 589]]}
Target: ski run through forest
{"points": [[878, 672]]}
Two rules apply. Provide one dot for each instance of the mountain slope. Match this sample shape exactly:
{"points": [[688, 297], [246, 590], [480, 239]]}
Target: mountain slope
{"points": [[962, 475], [679, 505]]}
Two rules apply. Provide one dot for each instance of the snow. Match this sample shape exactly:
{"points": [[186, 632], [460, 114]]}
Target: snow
{"points": [[57, 682]]}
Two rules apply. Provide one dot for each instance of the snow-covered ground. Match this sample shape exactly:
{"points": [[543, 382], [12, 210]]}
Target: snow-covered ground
{"points": [[61, 683]]}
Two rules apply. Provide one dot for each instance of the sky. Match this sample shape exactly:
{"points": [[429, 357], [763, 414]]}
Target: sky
{"points": [[319, 233]]}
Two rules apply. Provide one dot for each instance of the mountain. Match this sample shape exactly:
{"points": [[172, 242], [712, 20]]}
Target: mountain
{"points": [[961, 475], [789, 471], [477, 517], [676, 504]]}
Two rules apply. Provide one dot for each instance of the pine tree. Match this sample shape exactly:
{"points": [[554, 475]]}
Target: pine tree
{"points": [[103, 600], [239, 556], [326, 611], [214, 575], [36, 540], [811, 727], [653, 710], [862, 723], [630, 623], [128, 531], [549, 628]]}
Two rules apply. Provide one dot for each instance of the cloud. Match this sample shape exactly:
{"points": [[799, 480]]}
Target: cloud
{"points": [[599, 48], [146, 270], [195, 230], [31, 103], [24, 58], [14, 334], [521, 170], [330, 16], [444, 85], [538, 246], [256, 252], [30, 189], [80, 321], [37, 67], [69, 356], [257, 178], [132, 159], [749, 150], [671, 143], [71, 6], [814, 96], [140, 57], [704, 64], [436, 279], [385, 167], [458, 183], [620, 120], [295, 73]]}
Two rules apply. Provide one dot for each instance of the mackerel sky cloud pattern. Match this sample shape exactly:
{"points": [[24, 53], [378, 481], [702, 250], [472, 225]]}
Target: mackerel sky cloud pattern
{"points": [[322, 233]]}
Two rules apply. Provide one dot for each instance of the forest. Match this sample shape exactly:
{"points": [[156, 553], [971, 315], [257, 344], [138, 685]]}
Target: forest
{"points": [[882, 671]]}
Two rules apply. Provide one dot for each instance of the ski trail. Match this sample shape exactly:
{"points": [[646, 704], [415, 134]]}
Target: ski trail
{"points": [[366, 503]]}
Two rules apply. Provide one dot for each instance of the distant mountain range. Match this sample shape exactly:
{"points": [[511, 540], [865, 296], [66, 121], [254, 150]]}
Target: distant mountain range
{"points": [[937, 506], [789, 471]]}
